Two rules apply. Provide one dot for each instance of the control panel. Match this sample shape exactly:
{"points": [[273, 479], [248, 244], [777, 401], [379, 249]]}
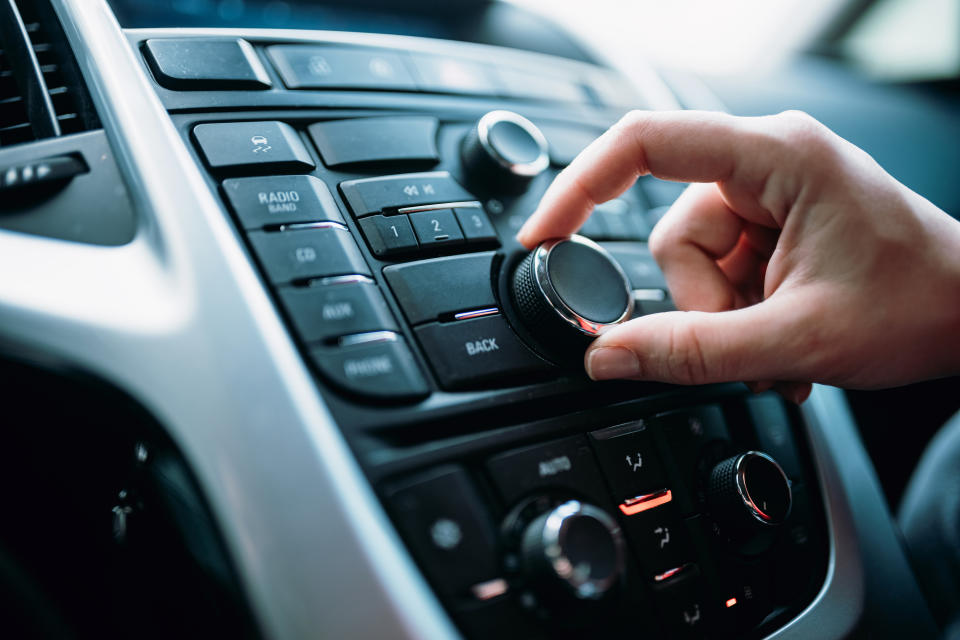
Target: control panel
{"points": [[378, 191]]}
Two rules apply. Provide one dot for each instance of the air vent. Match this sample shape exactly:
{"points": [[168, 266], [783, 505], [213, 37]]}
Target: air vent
{"points": [[42, 94]]}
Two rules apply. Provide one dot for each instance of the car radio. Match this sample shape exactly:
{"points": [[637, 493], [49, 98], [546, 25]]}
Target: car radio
{"points": [[378, 191]]}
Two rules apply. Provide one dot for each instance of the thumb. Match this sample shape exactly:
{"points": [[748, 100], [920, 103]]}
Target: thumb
{"points": [[767, 341]]}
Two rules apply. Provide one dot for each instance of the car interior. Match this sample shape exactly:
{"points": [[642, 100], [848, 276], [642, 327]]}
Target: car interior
{"points": [[274, 365]]}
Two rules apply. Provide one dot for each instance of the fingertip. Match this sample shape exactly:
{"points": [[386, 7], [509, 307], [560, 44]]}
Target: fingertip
{"points": [[609, 363]]}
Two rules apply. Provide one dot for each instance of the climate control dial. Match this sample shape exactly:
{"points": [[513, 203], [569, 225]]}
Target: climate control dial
{"points": [[575, 549]]}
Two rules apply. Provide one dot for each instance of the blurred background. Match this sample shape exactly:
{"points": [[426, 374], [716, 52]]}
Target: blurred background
{"points": [[884, 74]]}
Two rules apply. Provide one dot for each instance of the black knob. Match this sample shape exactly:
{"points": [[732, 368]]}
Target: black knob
{"points": [[749, 495], [503, 152], [574, 550], [566, 291]]}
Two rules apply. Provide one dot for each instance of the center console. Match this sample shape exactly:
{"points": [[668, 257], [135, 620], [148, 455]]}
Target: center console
{"points": [[378, 190]]}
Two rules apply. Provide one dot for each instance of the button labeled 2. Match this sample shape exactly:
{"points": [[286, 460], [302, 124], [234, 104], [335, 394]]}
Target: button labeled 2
{"points": [[437, 227]]}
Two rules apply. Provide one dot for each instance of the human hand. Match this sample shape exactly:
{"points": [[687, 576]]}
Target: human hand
{"points": [[797, 259]]}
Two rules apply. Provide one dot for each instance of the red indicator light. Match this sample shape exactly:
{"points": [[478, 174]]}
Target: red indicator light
{"points": [[731, 602], [643, 503]]}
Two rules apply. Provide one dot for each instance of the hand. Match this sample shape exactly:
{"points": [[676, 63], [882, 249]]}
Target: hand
{"points": [[798, 260]]}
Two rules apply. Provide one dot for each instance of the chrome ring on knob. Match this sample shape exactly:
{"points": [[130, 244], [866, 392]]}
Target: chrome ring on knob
{"points": [[740, 476], [525, 169], [553, 539], [541, 275]]}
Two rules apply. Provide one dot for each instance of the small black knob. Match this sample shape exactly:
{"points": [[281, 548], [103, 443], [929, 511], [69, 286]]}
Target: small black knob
{"points": [[567, 291], [749, 495], [503, 152], [574, 550]]}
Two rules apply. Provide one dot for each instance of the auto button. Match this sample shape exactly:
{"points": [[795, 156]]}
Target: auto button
{"points": [[471, 352]]}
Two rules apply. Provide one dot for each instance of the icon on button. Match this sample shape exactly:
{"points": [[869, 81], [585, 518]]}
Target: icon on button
{"points": [[446, 534], [260, 144]]}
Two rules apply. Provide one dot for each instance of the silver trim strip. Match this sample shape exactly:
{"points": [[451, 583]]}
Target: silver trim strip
{"points": [[296, 226], [368, 338], [313, 549], [335, 280], [648, 295], [471, 204]]}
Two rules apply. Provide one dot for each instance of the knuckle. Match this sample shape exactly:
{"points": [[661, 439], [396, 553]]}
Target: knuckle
{"points": [[685, 360], [805, 135]]}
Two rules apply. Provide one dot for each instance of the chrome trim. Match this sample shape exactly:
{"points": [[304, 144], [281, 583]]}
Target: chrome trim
{"points": [[740, 478], [553, 537], [313, 549], [326, 224], [524, 169], [541, 275], [471, 204], [368, 338], [477, 313], [335, 280]]}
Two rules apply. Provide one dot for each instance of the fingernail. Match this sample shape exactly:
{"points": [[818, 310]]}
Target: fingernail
{"points": [[605, 363]]}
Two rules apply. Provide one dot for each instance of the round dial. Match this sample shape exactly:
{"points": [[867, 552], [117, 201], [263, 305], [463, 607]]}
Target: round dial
{"points": [[570, 288], [504, 151], [749, 494], [575, 549]]}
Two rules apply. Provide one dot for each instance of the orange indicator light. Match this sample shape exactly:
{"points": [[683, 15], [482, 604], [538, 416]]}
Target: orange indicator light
{"points": [[731, 602], [643, 503]]}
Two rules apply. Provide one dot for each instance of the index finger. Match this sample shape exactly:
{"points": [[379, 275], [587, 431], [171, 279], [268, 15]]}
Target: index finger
{"points": [[687, 146]]}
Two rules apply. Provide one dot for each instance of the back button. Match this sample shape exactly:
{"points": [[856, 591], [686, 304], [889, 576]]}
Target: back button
{"points": [[469, 353]]}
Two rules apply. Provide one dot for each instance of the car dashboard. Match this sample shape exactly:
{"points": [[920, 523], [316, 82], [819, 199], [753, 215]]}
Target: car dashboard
{"points": [[293, 251]]}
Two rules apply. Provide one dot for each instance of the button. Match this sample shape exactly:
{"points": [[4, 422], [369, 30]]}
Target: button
{"points": [[565, 465], [370, 195], [443, 520], [476, 226], [305, 67], [535, 84], [696, 439], [621, 221], [334, 308], [612, 89], [427, 289], [450, 75], [659, 538], [772, 426], [800, 555], [681, 605], [436, 227], [638, 263], [389, 235], [359, 140], [469, 353], [261, 202], [308, 253], [378, 364], [205, 64], [629, 459], [503, 619], [264, 145], [567, 142]]}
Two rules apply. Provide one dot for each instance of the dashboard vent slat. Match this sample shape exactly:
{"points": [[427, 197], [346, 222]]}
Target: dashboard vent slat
{"points": [[41, 91]]}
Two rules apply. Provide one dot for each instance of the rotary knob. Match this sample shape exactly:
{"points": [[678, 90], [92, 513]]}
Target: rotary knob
{"points": [[567, 291], [574, 550], [504, 151], [749, 495]]}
